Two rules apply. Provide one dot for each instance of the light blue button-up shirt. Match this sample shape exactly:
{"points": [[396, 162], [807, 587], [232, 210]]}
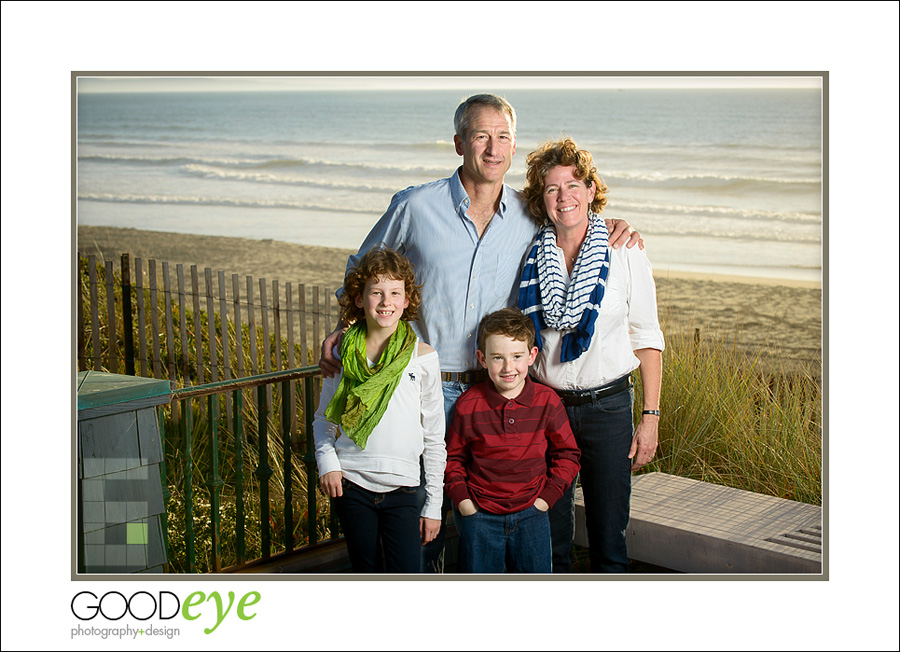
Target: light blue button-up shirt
{"points": [[465, 277]]}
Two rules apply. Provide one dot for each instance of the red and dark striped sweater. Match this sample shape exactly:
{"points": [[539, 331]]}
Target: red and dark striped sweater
{"points": [[505, 453]]}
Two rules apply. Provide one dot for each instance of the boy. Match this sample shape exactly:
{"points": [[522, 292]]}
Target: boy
{"points": [[510, 455]]}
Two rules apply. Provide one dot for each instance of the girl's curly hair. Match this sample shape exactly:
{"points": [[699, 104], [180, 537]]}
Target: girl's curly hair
{"points": [[375, 263]]}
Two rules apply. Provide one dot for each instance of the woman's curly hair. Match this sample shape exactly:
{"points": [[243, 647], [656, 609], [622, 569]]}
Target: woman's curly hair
{"points": [[375, 263], [550, 155]]}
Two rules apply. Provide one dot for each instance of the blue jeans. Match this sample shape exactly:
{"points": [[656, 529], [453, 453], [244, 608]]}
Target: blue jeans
{"points": [[518, 542], [433, 552], [381, 529], [562, 530], [603, 431]]}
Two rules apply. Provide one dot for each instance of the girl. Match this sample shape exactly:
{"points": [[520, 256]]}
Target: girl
{"points": [[377, 418]]}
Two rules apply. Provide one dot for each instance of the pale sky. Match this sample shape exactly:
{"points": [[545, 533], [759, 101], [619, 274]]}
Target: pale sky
{"points": [[177, 83]]}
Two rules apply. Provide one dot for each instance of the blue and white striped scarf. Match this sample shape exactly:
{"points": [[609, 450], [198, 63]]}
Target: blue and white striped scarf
{"points": [[542, 291]]}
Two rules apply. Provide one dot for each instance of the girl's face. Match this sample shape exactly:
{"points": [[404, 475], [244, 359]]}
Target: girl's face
{"points": [[383, 301]]}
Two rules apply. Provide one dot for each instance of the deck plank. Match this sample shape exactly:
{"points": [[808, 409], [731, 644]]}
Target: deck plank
{"points": [[698, 527]]}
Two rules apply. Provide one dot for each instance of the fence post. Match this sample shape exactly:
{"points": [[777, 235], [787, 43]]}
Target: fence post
{"points": [[267, 343], [95, 317], [154, 319], [290, 351], [82, 358], [214, 482], [237, 406], [112, 336], [226, 346], [263, 470], [304, 345], [309, 458], [142, 316], [182, 314], [127, 324], [170, 328], [287, 464]]}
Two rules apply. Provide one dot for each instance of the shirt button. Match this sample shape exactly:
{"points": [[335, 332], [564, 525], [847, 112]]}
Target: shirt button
{"points": [[511, 421]]}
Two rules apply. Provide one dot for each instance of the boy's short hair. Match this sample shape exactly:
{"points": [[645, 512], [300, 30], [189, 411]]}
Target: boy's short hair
{"points": [[379, 261], [510, 322]]}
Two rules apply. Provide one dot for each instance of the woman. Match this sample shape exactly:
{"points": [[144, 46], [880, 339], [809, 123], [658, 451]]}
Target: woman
{"points": [[594, 309]]}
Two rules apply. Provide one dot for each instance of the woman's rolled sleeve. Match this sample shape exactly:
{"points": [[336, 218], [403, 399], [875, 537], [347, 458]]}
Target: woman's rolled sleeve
{"points": [[643, 318]]}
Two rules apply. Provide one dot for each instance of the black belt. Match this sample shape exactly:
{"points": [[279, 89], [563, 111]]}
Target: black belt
{"points": [[465, 377], [574, 397]]}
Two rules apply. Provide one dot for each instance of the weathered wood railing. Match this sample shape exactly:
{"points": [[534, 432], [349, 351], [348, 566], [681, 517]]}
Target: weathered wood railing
{"points": [[198, 455]]}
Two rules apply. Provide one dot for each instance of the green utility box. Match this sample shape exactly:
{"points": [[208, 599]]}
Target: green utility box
{"points": [[120, 491]]}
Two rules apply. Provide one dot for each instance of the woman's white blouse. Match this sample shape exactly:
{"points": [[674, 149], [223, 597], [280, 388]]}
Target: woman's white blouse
{"points": [[627, 321]]}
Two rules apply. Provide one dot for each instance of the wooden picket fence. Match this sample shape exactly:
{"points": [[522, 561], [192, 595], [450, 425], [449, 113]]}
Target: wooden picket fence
{"points": [[194, 327]]}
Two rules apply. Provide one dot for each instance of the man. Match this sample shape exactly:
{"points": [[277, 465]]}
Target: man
{"points": [[467, 237]]}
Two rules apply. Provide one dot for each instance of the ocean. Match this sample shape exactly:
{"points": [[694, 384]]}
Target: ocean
{"points": [[720, 181]]}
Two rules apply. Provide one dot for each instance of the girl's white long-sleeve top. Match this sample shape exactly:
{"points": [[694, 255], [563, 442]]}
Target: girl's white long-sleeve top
{"points": [[411, 428]]}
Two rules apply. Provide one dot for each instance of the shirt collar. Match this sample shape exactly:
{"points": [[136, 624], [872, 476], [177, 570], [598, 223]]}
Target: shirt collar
{"points": [[461, 197], [496, 400]]}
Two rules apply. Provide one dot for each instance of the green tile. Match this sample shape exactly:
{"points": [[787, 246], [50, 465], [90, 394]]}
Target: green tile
{"points": [[137, 533]]}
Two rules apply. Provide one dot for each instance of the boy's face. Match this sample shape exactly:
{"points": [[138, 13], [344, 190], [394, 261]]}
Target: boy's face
{"points": [[383, 301], [507, 361]]}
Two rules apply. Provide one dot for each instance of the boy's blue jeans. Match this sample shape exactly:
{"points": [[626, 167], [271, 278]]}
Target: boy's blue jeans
{"points": [[517, 543]]}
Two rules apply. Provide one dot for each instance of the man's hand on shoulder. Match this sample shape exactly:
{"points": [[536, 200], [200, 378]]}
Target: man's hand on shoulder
{"points": [[621, 233], [328, 363]]}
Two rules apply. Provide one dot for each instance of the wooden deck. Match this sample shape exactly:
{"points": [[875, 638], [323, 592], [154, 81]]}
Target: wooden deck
{"points": [[676, 523], [697, 527]]}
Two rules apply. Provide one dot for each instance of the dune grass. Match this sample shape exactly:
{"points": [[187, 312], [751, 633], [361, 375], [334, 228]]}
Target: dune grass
{"points": [[735, 420]]}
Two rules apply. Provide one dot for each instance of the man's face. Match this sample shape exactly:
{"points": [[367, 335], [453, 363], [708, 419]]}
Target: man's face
{"points": [[488, 147]]}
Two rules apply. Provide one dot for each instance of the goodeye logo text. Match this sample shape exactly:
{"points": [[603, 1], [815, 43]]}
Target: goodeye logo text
{"points": [[165, 605]]}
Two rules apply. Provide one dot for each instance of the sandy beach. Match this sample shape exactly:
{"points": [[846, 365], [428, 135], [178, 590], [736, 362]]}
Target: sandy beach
{"points": [[781, 320]]}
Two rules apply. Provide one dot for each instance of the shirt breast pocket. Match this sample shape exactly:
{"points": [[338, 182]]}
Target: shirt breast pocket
{"points": [[614, 304], [502, 279]]}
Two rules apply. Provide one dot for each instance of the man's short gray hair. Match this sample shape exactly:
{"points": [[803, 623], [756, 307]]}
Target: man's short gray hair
{"points": [[464, 111]]}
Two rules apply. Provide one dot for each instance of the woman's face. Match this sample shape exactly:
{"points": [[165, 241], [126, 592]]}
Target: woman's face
{"points": [[566, 198]]}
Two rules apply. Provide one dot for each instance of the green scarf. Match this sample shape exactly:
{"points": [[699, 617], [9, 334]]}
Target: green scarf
{"points": [[364, 392]]}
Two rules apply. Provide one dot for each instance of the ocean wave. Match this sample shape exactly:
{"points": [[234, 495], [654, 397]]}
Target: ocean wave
{"points": [[208, 172], [272, 163], [164, 160], [706, 181], [216, 201], [288, 163], [723, 212], [112, 140], [754, 235]]}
